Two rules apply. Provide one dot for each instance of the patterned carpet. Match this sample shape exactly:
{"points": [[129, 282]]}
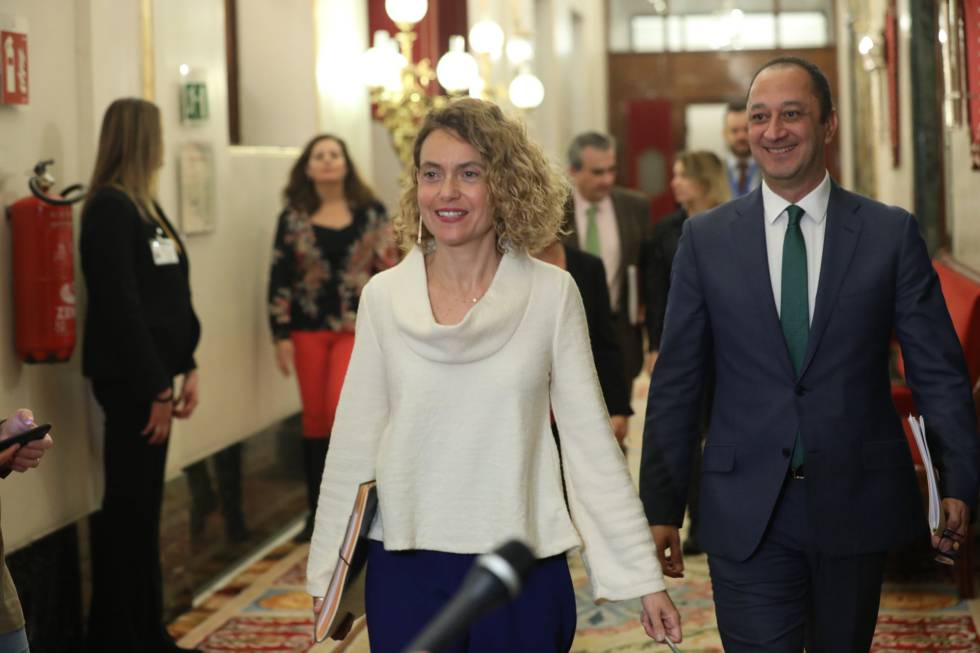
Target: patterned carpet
{"points": [[266, 608]]}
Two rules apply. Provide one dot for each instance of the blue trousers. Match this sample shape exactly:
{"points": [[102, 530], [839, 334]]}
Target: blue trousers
{"points": [[14, 642], [786, 595], [405, 589]]}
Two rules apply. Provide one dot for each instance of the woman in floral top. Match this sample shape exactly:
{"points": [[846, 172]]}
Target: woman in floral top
{"points": [[332, 236]]}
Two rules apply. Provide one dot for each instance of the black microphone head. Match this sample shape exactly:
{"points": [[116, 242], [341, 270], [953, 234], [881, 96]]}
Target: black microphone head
{"points": [[511, 562]]}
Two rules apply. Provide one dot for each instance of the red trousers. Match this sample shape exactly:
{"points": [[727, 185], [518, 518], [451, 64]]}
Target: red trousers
{"points": [[321, 359]]}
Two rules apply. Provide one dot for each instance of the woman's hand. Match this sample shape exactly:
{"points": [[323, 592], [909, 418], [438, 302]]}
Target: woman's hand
{"points": [[284, 356], [7, 456], [29, 455], [21, 458], [161, 414], [188, 398], [660, 618]]}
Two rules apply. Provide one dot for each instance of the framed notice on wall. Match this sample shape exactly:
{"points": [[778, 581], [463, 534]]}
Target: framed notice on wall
{"points": [[195, 183], [971, 30]]}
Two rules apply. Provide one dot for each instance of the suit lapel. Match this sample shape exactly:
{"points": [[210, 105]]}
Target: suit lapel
{"points": [[749, 241], [840, 240]]}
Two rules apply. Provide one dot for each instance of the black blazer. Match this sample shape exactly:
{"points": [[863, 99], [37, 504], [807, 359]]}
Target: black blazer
{"points": [[589, 274], [140, 327], [658, 256]]}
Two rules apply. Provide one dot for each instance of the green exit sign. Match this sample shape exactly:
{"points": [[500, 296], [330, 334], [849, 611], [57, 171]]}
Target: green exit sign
{"points": [[194, 102]]}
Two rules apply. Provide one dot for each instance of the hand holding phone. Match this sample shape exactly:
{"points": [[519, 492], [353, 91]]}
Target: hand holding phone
{"points": [[29, 435]]}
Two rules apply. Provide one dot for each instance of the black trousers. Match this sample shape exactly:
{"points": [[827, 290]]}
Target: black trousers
{"points": [[786, 595], [127, 587]]}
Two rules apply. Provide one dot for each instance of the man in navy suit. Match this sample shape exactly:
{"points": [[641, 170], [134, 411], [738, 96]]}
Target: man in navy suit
{"points": [[794, 292]]}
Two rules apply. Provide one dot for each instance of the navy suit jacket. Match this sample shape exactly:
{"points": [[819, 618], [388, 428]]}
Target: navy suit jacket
{"points": [[876, 280]]}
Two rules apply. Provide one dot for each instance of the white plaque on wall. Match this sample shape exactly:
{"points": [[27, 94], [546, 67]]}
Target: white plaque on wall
{"points": [[195, 182]]}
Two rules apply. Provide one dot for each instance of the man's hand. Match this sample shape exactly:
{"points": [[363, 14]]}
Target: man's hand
{"points": [[669, 538], [660, 618], [620, 427], [957, 520], [188, 398], [28, 456], [284, 356]]}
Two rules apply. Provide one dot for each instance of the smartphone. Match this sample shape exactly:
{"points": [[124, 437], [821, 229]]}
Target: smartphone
{"points": [[30, 435]]}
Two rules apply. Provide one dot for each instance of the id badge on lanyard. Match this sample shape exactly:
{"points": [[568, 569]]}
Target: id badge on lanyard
{"points": [[163, 249]]}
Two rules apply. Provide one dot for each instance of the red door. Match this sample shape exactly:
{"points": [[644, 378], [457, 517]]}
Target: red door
{"points": [[649, 152]]}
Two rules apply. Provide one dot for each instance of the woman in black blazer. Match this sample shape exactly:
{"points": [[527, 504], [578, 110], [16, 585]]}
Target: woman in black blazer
{"points": [[140, 334]]}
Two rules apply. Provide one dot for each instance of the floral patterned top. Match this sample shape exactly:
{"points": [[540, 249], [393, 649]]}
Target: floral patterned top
{"points": [[318, 272]]}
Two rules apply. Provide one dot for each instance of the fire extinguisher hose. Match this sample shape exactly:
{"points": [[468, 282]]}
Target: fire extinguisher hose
{"points": [[66, 198]]}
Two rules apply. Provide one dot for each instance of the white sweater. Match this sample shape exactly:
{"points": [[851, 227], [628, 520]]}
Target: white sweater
{"points": [[453, 422]]}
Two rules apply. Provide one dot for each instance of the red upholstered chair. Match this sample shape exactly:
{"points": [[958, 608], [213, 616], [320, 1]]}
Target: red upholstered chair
{"points": [[963, 301]]}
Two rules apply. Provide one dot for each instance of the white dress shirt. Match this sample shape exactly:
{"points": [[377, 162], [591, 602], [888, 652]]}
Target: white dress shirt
{"points": [[813, 225], [609, 247]]}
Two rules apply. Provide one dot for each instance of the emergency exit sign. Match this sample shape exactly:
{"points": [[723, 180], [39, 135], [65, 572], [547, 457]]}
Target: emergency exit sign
{"points": [[194, 102], [13, 70]]}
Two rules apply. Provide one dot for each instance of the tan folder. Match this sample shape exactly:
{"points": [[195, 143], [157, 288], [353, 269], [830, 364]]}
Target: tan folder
{"points": [[343, 602]]}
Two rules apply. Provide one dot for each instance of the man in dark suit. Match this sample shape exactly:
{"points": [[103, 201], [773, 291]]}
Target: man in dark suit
{"points": [[793, 292], [611, 223]]}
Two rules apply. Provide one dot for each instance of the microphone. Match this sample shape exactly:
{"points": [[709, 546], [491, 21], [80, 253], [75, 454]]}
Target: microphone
{"points": [[494, 578]]}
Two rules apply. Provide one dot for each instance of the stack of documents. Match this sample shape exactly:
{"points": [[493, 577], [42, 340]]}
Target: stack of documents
{"points": [[919, 432]]}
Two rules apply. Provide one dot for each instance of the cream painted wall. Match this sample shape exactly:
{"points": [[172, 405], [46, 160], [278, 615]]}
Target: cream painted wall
{"points": [[895, 185], [49, 127], [84, 54], [341, 37], [963, 199], [276, 63], [576, 86]]}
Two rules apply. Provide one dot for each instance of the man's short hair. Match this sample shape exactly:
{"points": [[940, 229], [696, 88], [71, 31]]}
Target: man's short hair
{"points": [[594, 140], [821, 87], [735, 106]]}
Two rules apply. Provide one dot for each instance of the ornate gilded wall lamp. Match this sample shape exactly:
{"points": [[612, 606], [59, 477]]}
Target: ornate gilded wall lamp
{"points": [[403, 90]]}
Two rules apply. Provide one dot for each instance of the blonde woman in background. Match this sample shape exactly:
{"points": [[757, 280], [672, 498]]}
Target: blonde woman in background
{"points": [[462, 351], [140, 335]]}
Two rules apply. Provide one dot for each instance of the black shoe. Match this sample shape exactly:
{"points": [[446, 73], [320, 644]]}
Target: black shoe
{"points": [[236, 530], [199, 516]]}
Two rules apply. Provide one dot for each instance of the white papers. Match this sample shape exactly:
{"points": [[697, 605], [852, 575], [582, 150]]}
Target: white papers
{"points": [[633, 294], [919, 432]]}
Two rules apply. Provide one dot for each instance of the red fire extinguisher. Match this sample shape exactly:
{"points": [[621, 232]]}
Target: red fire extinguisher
{"points": [[43, 270]]}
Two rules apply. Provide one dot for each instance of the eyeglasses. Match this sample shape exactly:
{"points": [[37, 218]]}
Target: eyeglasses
{"points": [[948, 557]]}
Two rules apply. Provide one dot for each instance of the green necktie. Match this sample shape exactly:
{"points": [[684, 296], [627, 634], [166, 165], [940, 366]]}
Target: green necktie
{"points": [[794, 308], [592, 231]]}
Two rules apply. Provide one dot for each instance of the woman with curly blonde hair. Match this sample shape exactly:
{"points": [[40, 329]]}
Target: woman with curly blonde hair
{"points": [[463, 350]]}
